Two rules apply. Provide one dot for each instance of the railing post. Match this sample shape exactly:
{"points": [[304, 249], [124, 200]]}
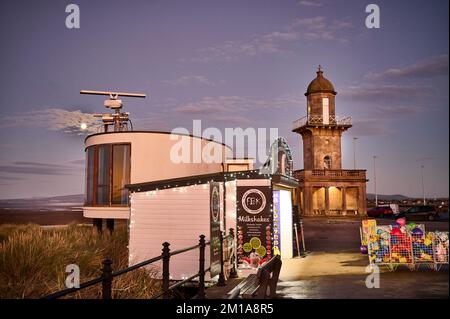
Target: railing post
{"points": [[107, 279], [166, 273], [233, 272], [221, 281], [201, 271]]}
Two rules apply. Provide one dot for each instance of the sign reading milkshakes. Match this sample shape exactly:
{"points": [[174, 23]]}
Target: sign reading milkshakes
{"points": [[254, 225], [214, 192]]}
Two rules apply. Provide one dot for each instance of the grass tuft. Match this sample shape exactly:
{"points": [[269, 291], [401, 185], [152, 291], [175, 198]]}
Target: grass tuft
{"points": [[33, 261]]}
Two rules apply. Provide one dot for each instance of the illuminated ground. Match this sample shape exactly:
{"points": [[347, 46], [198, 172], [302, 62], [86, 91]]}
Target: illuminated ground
{"points": [[336, 269]]}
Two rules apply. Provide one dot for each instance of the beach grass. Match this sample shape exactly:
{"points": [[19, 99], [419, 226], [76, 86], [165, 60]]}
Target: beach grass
{"points": [[33, 261]]}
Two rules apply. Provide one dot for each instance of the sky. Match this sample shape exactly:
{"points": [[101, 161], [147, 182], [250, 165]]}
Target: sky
{"points": [[234, 63]]}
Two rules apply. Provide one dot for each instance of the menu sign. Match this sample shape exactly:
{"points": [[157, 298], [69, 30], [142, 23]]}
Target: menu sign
{"points": [[254, 225], [214, 191]]}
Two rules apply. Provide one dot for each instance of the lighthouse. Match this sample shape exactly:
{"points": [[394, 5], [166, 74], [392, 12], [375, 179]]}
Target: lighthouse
{"points": [[325, 188]]}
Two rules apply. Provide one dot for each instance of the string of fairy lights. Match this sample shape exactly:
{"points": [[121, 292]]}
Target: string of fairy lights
{"points": [[180, 187], [228, 185]]}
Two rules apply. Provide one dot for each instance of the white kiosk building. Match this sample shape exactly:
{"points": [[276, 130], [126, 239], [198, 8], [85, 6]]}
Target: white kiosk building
{"points": [[131, 175]]}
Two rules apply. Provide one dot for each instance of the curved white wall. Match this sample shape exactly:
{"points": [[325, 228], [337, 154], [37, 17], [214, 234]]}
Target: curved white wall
{"points": [[151, 161], [150, 155]]}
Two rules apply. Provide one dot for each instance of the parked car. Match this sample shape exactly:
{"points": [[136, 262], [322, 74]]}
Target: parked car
{"points": [[443, 215], [380, 212], [420, 213]]}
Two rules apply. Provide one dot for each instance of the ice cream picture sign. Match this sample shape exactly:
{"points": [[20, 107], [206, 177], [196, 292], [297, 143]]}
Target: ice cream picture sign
{"points": [[254, 225]]}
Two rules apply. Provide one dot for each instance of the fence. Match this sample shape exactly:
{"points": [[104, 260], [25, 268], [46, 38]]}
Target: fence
{"points": [[106, 279], [409, 246]]}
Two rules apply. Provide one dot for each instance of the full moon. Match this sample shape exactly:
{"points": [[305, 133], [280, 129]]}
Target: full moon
{"points": [[83, 126]]}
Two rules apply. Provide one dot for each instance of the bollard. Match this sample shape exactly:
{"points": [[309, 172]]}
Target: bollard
{"points": [[107, 279], [166, 273], [201, 271], [221, 281]]}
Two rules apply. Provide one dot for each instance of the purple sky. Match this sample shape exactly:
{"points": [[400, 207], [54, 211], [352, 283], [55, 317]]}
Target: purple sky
{"points": [[229, 63]]}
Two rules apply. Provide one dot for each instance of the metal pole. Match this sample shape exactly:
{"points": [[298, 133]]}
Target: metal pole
{"points": [[423, 186], [303, 236], [221, 281], [354, 152], [165, 274], [375, 180], [296, 239], [107, 279], [201, 272]]}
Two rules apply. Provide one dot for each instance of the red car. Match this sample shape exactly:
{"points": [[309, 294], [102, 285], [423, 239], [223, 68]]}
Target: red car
{"points": [[380, 211]]}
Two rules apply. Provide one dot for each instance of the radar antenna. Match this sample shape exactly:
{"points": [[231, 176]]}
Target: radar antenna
{"points": [[119, 120]]}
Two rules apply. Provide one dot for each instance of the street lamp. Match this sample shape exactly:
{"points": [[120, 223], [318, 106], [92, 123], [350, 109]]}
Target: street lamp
{"points": [[375, 180], [423, 186], [354, 152]]}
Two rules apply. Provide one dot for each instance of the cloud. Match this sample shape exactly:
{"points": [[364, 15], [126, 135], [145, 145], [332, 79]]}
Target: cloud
{"points": [[189, 80], [220, 104], [38, 168], [389, 111], [380, 91], [426, 68], [278, 42], [369, 127], [237, 104], [54, 119], [389, 102], [387, 96], [10, 178], [310, 3], [425, 159], [231, 119], [321, 28], [8, 146], [77, 162], [236, 110]]}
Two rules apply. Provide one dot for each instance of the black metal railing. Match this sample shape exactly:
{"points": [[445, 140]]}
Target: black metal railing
{"points": [[106, 279]]}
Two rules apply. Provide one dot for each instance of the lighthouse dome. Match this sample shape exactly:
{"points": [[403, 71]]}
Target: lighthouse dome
{"points": [[320, 85]]}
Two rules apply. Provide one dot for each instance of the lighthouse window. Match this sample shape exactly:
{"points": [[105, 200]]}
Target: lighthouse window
{"points": [[327, 162], [107, 173]]}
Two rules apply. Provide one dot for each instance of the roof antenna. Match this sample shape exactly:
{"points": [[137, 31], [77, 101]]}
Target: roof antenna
{"points": [[119, 120]]}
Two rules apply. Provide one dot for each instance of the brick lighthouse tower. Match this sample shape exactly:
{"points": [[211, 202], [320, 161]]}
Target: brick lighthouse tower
{"points": [[325, 188]]}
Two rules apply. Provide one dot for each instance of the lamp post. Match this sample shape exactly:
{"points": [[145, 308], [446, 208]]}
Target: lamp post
{"points": [[423, 186], [375, 180], [354, 152]]}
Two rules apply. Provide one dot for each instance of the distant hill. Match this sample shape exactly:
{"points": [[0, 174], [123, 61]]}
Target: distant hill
{"points": [[371, 196], [44, 203], [58, 202]]}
